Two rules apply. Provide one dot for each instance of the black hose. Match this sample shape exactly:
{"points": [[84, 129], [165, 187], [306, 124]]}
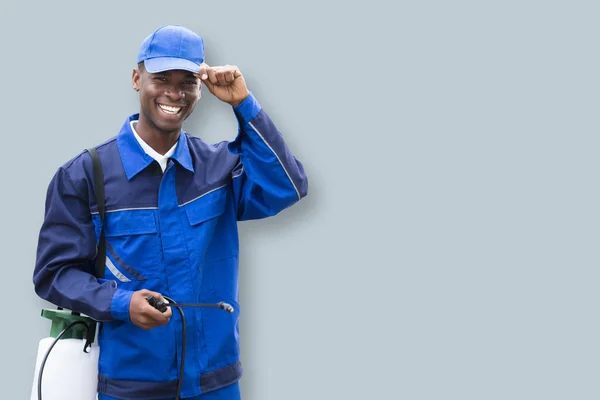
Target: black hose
{"points": [[183, 343], [72, 324]]}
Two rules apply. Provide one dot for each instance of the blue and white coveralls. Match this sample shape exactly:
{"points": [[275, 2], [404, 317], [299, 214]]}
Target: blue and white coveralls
{"points": [[174, 233]]}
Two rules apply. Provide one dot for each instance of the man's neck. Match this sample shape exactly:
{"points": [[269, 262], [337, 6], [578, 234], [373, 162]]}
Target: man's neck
{"points": [[160, 141]]}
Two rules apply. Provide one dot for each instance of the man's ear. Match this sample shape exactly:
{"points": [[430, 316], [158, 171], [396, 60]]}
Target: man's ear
{"points": [[136, 78]]}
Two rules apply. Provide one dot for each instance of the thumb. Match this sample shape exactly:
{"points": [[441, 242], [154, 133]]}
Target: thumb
{"points": [[203, 71], [145, 293], [203, 75]]}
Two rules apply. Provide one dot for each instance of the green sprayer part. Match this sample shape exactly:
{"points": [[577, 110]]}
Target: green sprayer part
{"points": [[62, 318]]}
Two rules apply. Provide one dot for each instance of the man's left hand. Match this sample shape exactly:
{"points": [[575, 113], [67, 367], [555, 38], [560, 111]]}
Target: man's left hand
{"points": [[225, 82]]}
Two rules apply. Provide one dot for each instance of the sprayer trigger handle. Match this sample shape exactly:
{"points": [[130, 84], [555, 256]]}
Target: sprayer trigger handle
{"points": [[159, 305]]}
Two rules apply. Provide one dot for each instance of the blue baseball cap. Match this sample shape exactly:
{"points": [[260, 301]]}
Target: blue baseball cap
{"points": [[172, 47]]}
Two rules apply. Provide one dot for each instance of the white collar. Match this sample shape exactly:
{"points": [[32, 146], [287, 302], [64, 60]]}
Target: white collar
{"points": [[161, 159]]}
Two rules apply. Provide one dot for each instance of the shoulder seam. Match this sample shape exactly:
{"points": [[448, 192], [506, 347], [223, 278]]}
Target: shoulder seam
{"points": [[202, 141], [74, 184], [78, 156]]}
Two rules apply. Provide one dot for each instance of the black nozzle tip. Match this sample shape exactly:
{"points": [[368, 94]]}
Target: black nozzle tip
{"points": [[226, 307]]}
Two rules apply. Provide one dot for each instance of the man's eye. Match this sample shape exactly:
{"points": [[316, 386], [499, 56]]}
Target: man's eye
{"points": [[160, 78], [190, 82]]}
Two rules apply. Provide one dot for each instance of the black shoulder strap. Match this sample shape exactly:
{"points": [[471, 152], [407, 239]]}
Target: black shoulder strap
{"points": [[99, 187]]}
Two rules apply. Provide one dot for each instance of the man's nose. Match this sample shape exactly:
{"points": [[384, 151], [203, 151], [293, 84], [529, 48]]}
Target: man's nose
{"points": [[175, 93]]}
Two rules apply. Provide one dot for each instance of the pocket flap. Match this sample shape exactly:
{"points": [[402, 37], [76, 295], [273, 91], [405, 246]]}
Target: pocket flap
{"points": [[206, 207], [130, 222]]}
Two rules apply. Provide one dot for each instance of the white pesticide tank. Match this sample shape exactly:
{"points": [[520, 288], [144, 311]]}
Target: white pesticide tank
{"points": [[69, 372]]}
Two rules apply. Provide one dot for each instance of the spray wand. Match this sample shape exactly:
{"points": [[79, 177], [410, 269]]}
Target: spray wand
{"points": [[162, 305]]}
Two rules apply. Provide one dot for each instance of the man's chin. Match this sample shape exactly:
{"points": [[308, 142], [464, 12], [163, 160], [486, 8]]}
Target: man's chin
{"points": [[169, 127]]}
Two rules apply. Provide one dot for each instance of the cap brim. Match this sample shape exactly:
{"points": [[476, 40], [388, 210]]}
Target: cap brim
{"points": [[161, 64]]}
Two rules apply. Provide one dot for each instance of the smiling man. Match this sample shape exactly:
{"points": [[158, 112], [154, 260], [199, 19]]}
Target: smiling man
{"points": [[162, 109], [173, 203]]}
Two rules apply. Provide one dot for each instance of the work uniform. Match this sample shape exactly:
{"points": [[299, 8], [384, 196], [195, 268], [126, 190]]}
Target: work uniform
{"points": [[173, 232]]}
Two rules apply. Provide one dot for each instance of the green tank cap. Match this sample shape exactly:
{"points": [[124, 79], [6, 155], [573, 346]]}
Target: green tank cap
{"points": [[62, 318]]}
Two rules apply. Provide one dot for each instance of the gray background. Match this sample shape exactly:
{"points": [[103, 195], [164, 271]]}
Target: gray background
{"points": [[448, 245]]}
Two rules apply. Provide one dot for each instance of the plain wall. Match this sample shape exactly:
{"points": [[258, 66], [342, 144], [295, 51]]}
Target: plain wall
{"points": [[448, 247]]}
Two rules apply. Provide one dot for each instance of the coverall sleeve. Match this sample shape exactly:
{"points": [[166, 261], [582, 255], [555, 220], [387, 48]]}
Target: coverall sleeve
{"points": [[268, 177], [64, 271]]}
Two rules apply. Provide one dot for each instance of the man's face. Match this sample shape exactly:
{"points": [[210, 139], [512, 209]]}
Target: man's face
{"points": [[166, 98]]}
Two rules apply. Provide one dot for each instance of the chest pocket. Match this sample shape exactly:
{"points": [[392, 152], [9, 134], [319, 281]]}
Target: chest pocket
{"points": [[211, 235], [133, 248], [205, 208]]}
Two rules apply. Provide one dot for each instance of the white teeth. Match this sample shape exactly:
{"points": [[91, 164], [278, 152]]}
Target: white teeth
{"points": [[169, 109]]}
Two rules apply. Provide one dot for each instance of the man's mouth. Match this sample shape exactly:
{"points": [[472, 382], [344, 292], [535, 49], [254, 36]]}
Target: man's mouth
{"points": [[169, 109]]}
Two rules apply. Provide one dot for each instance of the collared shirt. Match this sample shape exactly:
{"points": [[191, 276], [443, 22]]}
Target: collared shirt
{"points": [[161, 159]]}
